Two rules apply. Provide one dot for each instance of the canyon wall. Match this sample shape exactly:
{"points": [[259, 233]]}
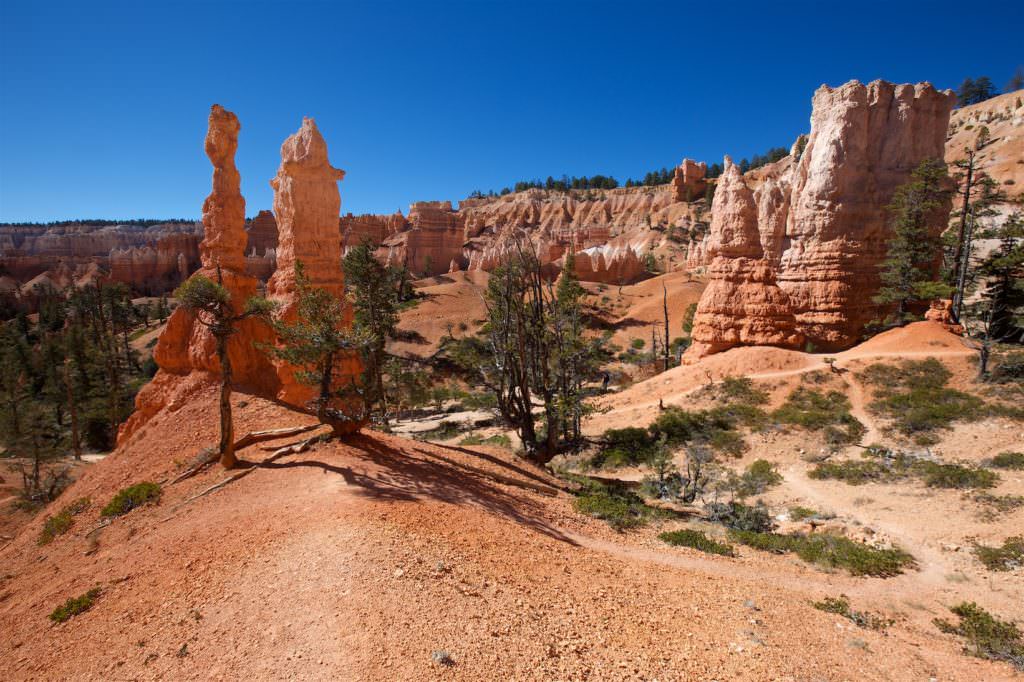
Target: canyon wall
{"points": [[795, 247]]}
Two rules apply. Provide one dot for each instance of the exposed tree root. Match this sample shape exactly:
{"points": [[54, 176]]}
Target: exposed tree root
{"points": [[296, 448], [210, 455]]}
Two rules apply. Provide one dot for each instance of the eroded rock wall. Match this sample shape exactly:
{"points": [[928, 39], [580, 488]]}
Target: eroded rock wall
{"points": [[812, 229]]}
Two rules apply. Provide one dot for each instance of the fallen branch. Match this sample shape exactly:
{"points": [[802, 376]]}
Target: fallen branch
{"points": [[209, 455]]}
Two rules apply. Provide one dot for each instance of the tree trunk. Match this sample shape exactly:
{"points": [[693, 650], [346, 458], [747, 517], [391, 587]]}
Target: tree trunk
{"points": [[961, 231], [983, 355], [227, 426], [664, 303], [76, 443]]}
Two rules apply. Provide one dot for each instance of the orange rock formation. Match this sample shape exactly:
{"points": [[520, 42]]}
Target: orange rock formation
{"points": [[307, 204], [802, 239], [186, 351]]}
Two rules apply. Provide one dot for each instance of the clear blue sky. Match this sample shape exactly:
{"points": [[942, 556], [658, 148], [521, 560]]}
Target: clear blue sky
{"points": [[103, 105]]}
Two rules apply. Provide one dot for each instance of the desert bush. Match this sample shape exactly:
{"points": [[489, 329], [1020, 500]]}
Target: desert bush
{"points": [[738, 516], [741, 390], [819, 411], [1009, 460], [998, 504], [881, 465], [937, 475], [61, 522], [446, 430], [615, 504], [804, 513], [830, 551], [497, 439], [697, 540], [758, 477], [986, 635], [75, 605], [915, 398], [624, 447], [131, 497], [841, 606], [1006, 558]]}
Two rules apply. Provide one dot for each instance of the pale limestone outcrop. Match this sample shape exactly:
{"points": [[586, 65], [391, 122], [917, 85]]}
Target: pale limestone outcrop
{"points": [[815, 222], [307, 204], [742, 304]]}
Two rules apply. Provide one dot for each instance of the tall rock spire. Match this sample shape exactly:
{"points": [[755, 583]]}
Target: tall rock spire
{"points": [[224, 210], [307, 205]]}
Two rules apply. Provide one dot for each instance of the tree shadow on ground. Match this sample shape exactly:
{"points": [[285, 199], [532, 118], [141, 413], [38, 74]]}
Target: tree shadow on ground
{"points": [[398, 474]]}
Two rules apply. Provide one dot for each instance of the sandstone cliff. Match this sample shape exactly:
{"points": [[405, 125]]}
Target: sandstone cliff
{"points": [[802, 239]]}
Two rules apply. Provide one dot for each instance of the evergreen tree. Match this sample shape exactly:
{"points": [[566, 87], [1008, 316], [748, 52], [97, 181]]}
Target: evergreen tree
{"points": [[211, 303], [314, 343], [374, 294], [1016, 81], [908, 271]]}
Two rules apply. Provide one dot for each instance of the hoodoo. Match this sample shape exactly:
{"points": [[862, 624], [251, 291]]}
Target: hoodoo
{"points": [[307, 204], [820, 219], [186, 351]]}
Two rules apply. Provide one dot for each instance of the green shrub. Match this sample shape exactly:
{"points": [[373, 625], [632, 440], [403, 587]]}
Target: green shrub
{"points": [[759, 476], [75, 605], [497, 439], [615, 504], [819, 411], [738, 516], [1009, 460], [1006, 558], [697, 540], [987, 636], [1003, 504], [915, 397], [741, 390], [841, 606], [954, 476], [830, 551], [881, 465], [802, 513], [62, 522], [637, 344], [624, 447], [850, 471], [131, 497]]}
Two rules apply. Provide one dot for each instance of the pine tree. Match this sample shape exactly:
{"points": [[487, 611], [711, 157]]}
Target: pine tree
{"points": [[211, 303], [908, 271], [314, 343], [373, 290]]}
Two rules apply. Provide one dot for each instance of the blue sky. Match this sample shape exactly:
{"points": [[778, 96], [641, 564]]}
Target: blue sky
{"points": [[103, 105]]}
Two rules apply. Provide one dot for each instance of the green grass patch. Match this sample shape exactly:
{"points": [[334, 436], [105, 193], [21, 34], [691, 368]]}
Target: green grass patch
{"points": [[841, 606], [830, 552], [1009, 460], [1006, 558], [75, 605], [818, 411], [697, 540], [625, 447], [914, 396], [497, 439], [61, 522], [132, 497], [986, 635]]}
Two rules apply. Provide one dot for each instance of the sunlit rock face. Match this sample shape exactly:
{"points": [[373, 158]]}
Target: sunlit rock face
{"points": [[186, 351], [307, 204], [815, 224]]}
